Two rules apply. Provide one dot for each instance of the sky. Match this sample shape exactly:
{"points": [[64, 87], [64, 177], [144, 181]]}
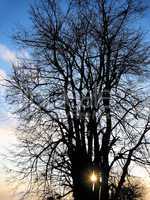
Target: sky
{"points": [[14, 14]]}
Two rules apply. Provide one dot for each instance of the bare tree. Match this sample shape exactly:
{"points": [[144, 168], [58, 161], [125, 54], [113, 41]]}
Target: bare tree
{"points": [[132, 189], [132, 192], [78, 96]]}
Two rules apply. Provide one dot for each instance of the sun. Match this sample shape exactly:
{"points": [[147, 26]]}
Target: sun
{"points": [[93, 177]]}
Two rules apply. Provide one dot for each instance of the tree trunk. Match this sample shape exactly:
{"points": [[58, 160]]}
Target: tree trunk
{"points": [[82, 192], [104, 190], [81, 171]]}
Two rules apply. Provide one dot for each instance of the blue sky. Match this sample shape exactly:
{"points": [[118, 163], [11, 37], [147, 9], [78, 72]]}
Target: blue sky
{"points": [[13, 14]]}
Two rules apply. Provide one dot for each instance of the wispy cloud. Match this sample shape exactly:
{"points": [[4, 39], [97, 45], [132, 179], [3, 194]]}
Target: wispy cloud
{"points": [[2, 75], [7, 55], [7, 140], [5, 115]]}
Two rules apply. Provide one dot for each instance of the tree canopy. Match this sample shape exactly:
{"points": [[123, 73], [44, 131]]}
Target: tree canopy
{"points": [[78, 96]]}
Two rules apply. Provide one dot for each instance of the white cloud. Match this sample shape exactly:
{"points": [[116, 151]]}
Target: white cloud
{"points": [[12, 57], [2, 74], [7, 55], [3, 77], [7, 137]]}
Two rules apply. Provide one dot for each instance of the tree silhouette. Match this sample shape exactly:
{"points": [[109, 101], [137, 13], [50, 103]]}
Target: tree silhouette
{"points": [[78, 96], [132, 189]]}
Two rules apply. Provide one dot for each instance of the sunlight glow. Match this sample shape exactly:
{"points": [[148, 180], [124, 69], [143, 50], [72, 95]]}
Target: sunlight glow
{"points": [[93, 177]]}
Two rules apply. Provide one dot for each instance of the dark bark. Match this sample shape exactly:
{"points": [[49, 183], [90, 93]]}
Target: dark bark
{"points": [[81, 170]]}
